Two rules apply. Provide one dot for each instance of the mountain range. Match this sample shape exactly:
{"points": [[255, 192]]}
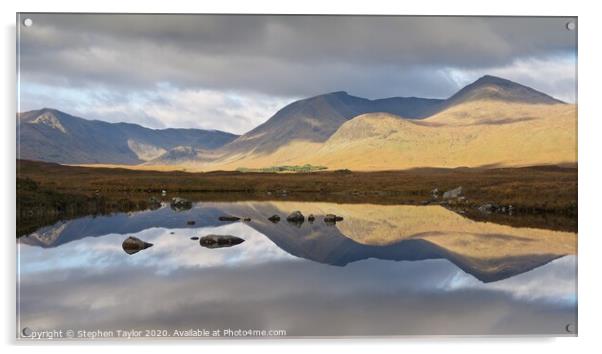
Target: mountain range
{"points": [[491, 122], [53, 136]]}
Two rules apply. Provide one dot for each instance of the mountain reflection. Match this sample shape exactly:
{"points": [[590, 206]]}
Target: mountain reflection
{"points": [[464, 277], [488, 251]]}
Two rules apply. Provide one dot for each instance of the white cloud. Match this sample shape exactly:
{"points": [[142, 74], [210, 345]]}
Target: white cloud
{"points": [[163, 106]]}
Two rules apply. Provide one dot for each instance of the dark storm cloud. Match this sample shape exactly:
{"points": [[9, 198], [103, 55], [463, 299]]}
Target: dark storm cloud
{"points": [[285, 57]]}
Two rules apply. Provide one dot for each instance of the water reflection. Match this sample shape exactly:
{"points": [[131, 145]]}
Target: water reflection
{"points": [[472, 278]]}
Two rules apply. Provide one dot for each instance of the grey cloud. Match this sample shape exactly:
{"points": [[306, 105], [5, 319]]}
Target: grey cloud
{"points": [[285, 55], [126, 62]]}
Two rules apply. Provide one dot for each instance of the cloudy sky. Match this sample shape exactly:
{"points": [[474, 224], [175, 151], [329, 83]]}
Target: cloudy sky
{"points": [[233, 72]]}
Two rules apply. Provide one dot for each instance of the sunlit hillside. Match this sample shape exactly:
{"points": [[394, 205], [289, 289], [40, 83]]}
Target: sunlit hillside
{"points": [[473, 134]]}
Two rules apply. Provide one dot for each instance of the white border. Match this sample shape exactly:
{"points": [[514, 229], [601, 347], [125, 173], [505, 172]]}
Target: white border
{"points": [[590, 147]]}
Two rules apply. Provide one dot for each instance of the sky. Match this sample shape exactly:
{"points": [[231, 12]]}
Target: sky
{"points": [[233, 72]]}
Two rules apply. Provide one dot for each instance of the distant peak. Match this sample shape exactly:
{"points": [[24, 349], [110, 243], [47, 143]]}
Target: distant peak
{"points": [[48, 118], [490, 87], [490, 79], [338, 93]]}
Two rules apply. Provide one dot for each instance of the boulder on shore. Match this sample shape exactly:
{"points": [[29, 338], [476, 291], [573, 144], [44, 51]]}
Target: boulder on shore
{"points": [[435, 193], [133, 245], [453, 193], [218, 241]]}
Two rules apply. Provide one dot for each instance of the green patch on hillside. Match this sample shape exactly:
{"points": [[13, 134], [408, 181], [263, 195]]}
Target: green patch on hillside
{"points": [[283, 169]]}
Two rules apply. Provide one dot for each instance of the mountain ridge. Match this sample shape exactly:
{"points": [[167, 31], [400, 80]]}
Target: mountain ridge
{"points": [[303, 127], [54, 136], [316, 118]]}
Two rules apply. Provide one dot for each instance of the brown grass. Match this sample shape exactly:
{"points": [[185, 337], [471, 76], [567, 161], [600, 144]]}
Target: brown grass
{"points": [[46, 188]]}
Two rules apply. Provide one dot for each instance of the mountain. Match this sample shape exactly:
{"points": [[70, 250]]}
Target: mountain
{"points": [[494, 88], [315, 119], [475, 134], [491, 122], [55, 136]]}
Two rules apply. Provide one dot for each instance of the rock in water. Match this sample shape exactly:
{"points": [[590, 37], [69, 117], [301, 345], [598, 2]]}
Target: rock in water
{"points": [[332, 219], [453, 193], [296, 216], [194, 238], [218, 241], [133, 245], [228, 218], [178, 204], [274, 218], [191, 222], [311, 218]]}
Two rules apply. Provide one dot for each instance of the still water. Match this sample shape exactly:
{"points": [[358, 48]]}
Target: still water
{"points": [[383, 270]]}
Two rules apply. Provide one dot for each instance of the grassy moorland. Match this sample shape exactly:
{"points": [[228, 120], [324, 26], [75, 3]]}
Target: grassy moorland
{"points": [[544, 196]]}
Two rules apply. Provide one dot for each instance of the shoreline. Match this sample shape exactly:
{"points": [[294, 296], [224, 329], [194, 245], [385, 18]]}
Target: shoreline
{"points": [[541, 196]]}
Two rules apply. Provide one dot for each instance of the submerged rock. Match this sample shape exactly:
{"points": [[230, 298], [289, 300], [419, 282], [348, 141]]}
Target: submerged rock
{"points": [[228, 218], [218, 241], [178, 203], [133, 245], [274, 218]]}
